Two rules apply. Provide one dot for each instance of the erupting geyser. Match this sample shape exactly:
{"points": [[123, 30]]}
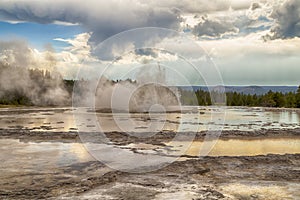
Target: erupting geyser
{"points": [[148, 93], [153, 98]]}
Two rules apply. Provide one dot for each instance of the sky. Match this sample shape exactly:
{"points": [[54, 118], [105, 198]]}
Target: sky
{"points": [[248, 42]]}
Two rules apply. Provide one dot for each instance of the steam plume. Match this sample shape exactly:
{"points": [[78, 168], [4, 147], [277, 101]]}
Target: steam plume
{"points": [[29, 76]]}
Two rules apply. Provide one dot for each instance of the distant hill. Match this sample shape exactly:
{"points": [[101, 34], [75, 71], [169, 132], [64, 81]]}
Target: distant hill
{"points": [[245, 89]]}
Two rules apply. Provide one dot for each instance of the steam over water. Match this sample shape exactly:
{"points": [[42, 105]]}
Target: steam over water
{"points": [[148, 92], [153, 98]]}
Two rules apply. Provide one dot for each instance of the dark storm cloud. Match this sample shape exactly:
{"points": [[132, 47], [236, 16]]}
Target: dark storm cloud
{"points": [[213, 28], [239, 25], [200, 6], [287, 18], [102, 18], [106, 18], [154, 18], [146, 52], [190, 6], [131, 40], [255, 6]]}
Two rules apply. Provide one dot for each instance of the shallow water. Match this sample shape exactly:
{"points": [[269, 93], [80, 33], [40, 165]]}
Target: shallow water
{"points": [[62, 119], [238, 147], [19, 157], [22, 160], [38, 119]]}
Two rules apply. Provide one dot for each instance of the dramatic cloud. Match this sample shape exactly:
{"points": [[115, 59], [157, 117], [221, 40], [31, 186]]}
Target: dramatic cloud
{"points": [[201, 6], [249, 60], [213, 28], [77, 46], [102, 18], [106, 18], [230, 23], [287, 18], [75, 56], [255, 6], [231, 31], [146, 52], [190, 6]]}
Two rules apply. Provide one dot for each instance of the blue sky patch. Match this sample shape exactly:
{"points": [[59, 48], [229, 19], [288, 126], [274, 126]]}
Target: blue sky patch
{"points": [[38, 35]]}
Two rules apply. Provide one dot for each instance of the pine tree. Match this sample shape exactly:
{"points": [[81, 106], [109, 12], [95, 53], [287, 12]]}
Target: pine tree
{"points": [[291, 100], [279, 99], [298, 98]]}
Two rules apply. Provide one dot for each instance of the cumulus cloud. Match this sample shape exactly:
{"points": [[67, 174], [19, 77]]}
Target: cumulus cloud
{"points": [[106, 18], [102, 18], [201, 6], [147, 55], [229, 23], [75, 56], [255, 6], [78, 48], [273, 62], [287, 18], [213, 28], [251, 44], [146, 52], [190, 6]]}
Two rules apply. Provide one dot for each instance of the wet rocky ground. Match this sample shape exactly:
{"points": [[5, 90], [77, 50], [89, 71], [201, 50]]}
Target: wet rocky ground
{"points": [[204, 178], [268, 176], [235, 177], [160, 138]]}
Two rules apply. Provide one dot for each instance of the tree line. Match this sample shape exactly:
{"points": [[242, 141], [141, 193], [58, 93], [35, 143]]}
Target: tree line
{"points": [[23, 86], [270, 99], [16, 92]]}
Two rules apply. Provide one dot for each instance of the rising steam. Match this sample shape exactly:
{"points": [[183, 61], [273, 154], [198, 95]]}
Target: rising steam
{"points": [[29, 76], [32, 77], [148, 92]]}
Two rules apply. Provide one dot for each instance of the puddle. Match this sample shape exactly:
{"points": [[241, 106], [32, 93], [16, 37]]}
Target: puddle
{"points": [[19, 157], [236, 147], [231, 147], [24, 160], [38, 119]]}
